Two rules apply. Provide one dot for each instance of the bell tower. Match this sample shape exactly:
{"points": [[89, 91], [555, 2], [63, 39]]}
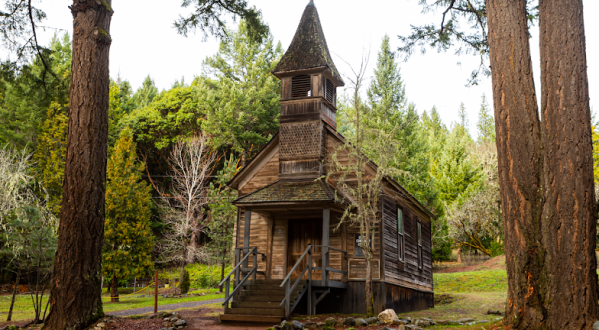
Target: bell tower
{"points": [[309, 81]]}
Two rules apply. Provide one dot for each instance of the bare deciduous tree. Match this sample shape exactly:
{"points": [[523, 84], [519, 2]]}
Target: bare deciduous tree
{"points": [[14, 178], [359, 178], [182, 210]]}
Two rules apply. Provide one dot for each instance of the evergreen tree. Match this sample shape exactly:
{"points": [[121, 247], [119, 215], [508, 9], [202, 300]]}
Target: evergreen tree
{"points": [[50, 154], [463, 115], [146, 93], [128, 241], [120, 104], [242, 104], [390, 113], [486, 123], [26, 97], [387, 94], [457, 174]]}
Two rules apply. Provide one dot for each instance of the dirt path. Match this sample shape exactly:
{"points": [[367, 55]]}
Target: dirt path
{"points": [[144, 310]]}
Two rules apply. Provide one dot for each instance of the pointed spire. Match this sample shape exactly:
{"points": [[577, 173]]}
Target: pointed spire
{"points": [[309, 47]]}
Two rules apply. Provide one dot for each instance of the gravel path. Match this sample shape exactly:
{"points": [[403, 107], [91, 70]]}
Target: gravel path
{"points": [[138, 311]]}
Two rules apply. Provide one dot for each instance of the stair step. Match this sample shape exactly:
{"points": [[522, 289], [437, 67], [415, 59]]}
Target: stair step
{"points": [[257, 311], [262, 286], [256, 304], [250, 318], [277, 293], [261, 298]]}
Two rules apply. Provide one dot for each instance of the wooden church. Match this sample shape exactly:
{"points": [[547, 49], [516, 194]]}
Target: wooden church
{"points": [[291, 254]]}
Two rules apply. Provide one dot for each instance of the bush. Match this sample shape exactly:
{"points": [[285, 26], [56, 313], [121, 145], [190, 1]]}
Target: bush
{"points": [[184, 286], [205, 276]]}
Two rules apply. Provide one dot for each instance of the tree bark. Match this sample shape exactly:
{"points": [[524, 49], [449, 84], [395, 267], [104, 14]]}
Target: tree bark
{"points": [[114, 290], [76, 292], [14, 295], [568, 223], [545, 168]]}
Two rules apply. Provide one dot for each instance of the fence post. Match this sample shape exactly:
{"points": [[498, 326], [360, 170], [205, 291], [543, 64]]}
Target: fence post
{"points": [[227, 286], [156, 292]]}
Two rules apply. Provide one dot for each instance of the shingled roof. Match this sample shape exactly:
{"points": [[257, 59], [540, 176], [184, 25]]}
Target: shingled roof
{"points": [[304, 191], [309, 47]]}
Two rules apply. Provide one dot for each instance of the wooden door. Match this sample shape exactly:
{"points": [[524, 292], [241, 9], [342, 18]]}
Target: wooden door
{"points": [[301, 234]]}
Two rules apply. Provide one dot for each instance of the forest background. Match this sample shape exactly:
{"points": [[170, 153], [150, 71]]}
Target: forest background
{"points": [[451, 168]]}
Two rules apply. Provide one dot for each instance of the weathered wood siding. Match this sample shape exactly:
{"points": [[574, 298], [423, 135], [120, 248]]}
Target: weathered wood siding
{"points": [[260, 236], [386, 295], [406, 272], [279, 249], [337, 259], [268, 174]]}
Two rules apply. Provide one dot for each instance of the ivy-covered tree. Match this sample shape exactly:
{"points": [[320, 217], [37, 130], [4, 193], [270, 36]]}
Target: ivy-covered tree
{"points": [[128, 240]]}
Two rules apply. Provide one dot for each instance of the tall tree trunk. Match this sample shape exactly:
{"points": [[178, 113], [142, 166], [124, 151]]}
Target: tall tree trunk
{"points": [[545, 169], [76, 292], [114, 289], [14, 295], [569, 219]]}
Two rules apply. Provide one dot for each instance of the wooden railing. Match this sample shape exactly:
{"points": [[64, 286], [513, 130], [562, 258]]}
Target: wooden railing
{"points": [[289, 288], [240, 270]]}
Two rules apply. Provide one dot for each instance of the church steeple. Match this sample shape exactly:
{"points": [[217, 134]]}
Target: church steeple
{"points": [[309, 48], [309, 80]]}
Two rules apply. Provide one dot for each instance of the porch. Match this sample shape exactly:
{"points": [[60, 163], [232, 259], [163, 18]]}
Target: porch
{"points": [[301, 260]]}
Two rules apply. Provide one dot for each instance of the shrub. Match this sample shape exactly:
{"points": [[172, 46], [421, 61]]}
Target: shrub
{"points": [[184, 286], [205, 276]]}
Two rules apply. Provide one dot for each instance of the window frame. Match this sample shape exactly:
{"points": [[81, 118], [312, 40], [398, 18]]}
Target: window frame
{"points": [[401, 245], [419, 241]]}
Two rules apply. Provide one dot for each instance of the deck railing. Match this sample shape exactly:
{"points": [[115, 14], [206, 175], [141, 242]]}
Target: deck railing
{"points": [[290, 288], [240, 270]]}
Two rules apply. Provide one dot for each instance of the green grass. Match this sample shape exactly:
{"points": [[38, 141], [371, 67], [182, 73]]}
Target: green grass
{"points": [[23, 309], [468, 282]]}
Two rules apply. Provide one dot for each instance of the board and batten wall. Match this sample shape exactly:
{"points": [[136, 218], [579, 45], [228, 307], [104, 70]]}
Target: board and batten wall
{"points": [[406, 272]]}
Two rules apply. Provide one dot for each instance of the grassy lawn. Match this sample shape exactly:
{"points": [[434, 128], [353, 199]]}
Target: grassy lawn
{"points": [[481, 281], [23, 309]]}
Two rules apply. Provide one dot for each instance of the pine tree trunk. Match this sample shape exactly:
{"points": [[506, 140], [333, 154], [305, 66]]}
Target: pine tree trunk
{"points": [[114, 289], [545, 169], [76, 292], [14, 295], [568, 223]]}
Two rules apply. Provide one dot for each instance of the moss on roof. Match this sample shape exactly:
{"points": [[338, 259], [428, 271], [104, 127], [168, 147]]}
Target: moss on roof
{"points": [[304, 191], [309, 47]]}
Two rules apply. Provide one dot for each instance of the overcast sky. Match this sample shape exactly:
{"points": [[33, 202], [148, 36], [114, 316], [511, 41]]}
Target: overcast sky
{"points": [[145, 42]]}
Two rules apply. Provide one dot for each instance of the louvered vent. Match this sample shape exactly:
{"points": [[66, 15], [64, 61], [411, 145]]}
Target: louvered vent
{"points": [[330, 91], [301, 86]]}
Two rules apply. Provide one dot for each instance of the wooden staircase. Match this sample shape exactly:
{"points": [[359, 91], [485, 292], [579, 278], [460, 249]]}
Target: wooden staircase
{"points": [[260, 301]]}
